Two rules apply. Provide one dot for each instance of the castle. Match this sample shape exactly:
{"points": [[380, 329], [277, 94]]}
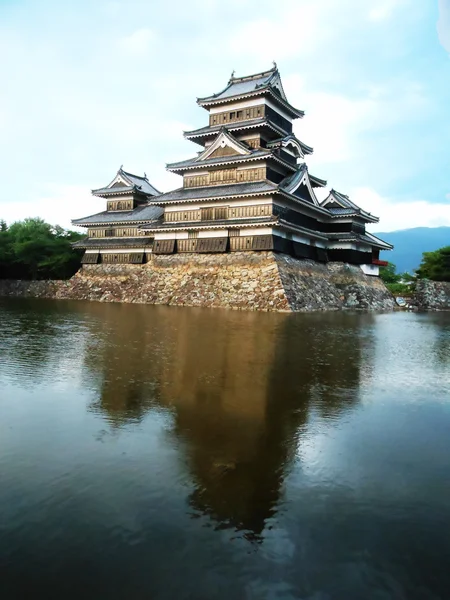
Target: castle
{"points": [[248, 189]]}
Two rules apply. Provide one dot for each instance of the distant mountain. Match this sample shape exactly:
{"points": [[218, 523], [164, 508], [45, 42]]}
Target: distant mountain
{"points": [[410, 243]]}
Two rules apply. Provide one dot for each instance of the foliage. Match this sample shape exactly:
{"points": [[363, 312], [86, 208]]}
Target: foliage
{"points": [[33, 249], [400, 289], [388, 274], [435, 265], [399, 284]]}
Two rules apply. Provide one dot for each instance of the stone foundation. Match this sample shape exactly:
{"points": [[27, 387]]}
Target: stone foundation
{"points": [[241, 280], [432, 295]]}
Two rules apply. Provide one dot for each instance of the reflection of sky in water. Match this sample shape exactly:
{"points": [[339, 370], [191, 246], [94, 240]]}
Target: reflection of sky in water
{"points": [[190, 453]]}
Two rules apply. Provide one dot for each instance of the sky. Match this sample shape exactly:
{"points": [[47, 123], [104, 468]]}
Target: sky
{"points": [[89, 86]]}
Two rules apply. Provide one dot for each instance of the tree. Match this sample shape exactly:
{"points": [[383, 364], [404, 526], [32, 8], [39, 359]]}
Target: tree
{"points": [[388, 274], [34, 249], [435, 265], [6, 255]]}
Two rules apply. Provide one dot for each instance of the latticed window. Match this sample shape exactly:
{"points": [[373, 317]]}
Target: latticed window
{"points": [[234, 232], [221, 213], [192, 234]]}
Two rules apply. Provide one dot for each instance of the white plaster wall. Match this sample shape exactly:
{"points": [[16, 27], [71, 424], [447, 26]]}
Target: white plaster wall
{"points": [[213, 233], [370, 269], [256, 231], [171, 235], [236, 105], [120, 250]]}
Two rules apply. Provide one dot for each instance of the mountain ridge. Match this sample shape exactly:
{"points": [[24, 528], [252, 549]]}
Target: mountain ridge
{"points": [[409, 244]]}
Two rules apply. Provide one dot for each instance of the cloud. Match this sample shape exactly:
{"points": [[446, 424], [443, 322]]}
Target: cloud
{"points": [[384, 10], [58, 206], [296, 30], [443, 25], [137, 43], [401, 215], [336, 124]]}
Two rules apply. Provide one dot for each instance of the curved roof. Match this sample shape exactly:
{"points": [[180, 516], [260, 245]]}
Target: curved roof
{"points": [[125, 183], [259, 83], [340, 205], [141, 213]]}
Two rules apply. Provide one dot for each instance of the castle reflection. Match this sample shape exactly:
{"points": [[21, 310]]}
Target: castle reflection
{"points": [[241, 387]]}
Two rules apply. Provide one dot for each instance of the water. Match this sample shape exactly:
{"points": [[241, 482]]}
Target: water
{"points": [[156, 452]]}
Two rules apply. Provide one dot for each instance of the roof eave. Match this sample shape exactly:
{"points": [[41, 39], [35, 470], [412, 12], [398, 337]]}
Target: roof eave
{"points": [[173, 168], [316, 182], [212, 100], [219, 197]]}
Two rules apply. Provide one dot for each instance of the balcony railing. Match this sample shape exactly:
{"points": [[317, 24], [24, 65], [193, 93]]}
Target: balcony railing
{"points": [[380, 263]]}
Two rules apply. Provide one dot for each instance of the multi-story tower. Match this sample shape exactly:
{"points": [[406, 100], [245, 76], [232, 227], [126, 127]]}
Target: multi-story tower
{"points": [[114, 235], [248, 189]]}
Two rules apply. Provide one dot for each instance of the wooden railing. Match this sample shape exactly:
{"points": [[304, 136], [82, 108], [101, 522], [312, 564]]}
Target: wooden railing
{"points": [[233, 116], [224, 176], [380, 263], [215, 213]]}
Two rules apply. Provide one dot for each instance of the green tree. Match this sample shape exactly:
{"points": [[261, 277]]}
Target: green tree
{"points": [[435, 265], [33, 249], [388, 274], [6, 253]]}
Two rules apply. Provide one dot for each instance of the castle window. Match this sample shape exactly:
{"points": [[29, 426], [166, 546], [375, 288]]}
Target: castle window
{"points": [[232, 115], [239, 114]]}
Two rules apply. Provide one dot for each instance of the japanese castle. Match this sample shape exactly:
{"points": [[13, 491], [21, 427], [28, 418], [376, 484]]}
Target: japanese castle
{"points": [[247, 189]]}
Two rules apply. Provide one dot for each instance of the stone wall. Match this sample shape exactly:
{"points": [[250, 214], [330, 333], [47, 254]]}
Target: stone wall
{"points": [[432, 295], [240, 280]]}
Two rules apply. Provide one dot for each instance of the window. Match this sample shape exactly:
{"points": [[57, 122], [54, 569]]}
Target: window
{"points": [[235, 232], [239, 114], [232, 115], [221, 213], [192, 234]]}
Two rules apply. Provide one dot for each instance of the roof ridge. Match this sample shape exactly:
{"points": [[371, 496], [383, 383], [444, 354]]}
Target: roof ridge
{"points": [[134, 175], [271, 71]]}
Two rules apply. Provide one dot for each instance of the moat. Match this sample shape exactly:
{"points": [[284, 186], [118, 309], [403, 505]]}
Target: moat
{"points": [[162, 452]]}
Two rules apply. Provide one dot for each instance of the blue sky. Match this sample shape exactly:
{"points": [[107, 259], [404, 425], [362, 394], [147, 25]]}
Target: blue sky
{"points": [[88, 86]]}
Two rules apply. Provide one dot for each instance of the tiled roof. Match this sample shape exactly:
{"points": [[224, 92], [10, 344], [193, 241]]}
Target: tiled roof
{"points": [[142, 183], [194, 162], [359, 237], [345, 206], [141, 213], [306, 149], [136, 184], [113, 242], [219, 191], [203, 224], [230, 127], [269, 81], [341, 211], [243, 85]]}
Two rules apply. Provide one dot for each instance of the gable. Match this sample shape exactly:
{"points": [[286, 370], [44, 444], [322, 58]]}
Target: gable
{"points": [[224, 145], [277, 86], [119, 183], [223, 151], [304, 192]]}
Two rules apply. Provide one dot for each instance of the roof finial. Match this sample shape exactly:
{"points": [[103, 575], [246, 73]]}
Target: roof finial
{"points": [[121, 167], [232, 74], [145, 175], [274, 65]]}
